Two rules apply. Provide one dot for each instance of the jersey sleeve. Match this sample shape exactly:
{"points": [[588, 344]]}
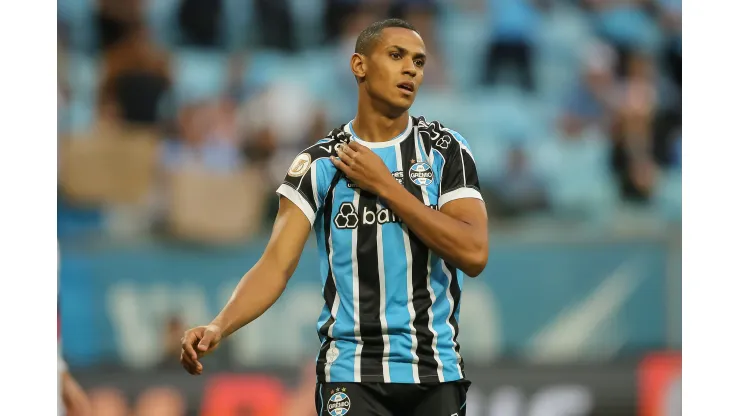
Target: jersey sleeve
{"points": [[459, 173], [305, 184]]}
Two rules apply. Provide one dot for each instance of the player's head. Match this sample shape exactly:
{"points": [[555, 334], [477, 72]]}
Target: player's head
{"points": [[388, 63]]}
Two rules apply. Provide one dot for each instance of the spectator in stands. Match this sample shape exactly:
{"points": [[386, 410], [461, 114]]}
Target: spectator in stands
{"points": [[670, 15], [278, 122], [514, 26], [205, 139], [116, 19], [633, 147], [136, 77], [666, 130], [337, 17], [592, 102], [518, 191], [200, 22], [276, 24], [625, 24]]}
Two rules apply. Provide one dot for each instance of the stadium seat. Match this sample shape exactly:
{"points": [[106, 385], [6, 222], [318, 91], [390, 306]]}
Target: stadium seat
{"points": [[308, 16], [579, 182], [79, 116], [77, 16], [263, 67], [238, 23], [83, 74], [464, 42], [199, 73], [564, 35], [161, 16], [668, 195]]}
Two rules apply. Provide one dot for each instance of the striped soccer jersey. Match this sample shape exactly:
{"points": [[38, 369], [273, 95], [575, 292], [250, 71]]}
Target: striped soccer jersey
{"points": [[392, 306]]}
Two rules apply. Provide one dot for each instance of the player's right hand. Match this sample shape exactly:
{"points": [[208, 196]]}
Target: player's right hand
{"points": [[196, 343]]}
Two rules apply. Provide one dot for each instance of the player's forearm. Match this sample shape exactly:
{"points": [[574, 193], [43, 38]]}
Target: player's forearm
{"points": [[453, 240], [259, 289]]}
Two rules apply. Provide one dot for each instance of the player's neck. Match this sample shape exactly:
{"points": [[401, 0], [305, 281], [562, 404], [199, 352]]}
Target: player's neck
{"points": [[371, 125]]}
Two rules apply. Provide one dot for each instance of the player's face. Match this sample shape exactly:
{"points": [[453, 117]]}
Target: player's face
{"points": [[395, 69]]}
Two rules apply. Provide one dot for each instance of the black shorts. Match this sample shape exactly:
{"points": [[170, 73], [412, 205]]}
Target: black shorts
{"points": [[391, 399]]}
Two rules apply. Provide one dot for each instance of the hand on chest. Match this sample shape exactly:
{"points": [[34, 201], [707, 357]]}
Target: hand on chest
{"points": [[358, 208]]}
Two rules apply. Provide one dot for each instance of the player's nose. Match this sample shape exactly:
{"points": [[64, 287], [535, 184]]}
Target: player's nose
{"points": [[409, 68]]}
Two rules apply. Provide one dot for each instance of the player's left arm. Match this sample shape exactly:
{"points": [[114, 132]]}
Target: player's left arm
{"points": [[458, 232]]}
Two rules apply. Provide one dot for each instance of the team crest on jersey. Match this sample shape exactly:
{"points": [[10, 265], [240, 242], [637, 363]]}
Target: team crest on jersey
{"points": [[421, 174], [300, 165], [339, 402]]}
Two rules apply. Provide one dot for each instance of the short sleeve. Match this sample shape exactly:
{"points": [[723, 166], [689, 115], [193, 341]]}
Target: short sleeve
{"points": [[303, 184], [459, 173]]}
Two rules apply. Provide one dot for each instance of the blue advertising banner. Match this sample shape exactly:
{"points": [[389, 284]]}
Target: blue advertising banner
{"points": [[546, 302]]}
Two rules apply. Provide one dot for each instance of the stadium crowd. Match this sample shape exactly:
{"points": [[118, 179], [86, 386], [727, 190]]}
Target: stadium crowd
{"points": [[572, 108]]}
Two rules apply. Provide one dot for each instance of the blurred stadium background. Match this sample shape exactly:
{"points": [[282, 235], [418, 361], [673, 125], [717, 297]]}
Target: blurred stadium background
{"points": [[178, 118]]}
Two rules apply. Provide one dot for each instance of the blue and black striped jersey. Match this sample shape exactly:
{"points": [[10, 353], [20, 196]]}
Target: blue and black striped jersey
{"points": [[392, 306]]}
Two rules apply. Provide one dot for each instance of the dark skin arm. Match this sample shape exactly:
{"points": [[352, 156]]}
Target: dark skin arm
{"points": [[458, 233], [259, 289]]}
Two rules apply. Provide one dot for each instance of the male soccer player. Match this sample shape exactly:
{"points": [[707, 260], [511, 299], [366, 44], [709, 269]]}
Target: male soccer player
{"points": [[398, 216]]}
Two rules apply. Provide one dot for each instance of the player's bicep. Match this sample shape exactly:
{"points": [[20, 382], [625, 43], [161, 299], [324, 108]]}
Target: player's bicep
{"points": [[289, 234], [471, 211]]}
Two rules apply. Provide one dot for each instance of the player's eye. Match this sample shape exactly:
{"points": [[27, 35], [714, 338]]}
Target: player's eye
{"points": [[395, 55], [419, 63]]}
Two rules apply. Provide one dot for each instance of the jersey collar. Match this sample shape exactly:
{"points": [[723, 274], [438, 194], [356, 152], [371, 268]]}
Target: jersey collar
{"points": [[375, 145]]}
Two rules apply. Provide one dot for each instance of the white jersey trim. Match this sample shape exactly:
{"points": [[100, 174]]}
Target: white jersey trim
{"points": [[377, 145], [459, 193], [298, 199]]}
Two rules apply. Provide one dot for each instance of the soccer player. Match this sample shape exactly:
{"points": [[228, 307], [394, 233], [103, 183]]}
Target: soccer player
{"points": [[399, 219]]}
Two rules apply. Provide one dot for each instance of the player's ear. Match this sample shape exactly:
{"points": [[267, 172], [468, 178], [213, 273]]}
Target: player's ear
{"points": [[358, 65]]}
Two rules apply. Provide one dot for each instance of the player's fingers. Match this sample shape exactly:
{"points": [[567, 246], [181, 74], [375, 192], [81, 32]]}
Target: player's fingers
{"points": [[351, 148], [355, 147], [340, 165], [188, 340], [188, 364], [344, 156], [187, 360], [192, 366]]}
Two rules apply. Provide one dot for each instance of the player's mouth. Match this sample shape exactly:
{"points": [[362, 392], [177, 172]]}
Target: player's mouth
{"points": [[407, 87]]}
